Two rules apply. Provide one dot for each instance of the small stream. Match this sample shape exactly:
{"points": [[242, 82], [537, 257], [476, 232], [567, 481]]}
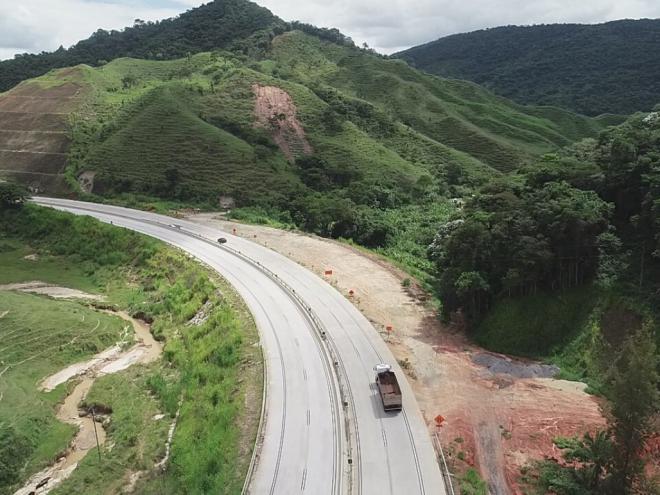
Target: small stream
{"points": [[112, 360]]}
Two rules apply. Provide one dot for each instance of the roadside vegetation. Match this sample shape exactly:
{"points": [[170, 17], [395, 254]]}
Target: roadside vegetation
{"points": [[210, 372], [561, 263]]}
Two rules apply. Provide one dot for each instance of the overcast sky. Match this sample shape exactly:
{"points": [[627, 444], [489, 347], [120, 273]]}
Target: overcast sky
{"points": [[387, 25]]}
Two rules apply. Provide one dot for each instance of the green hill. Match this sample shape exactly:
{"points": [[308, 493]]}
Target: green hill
{"points": [[301, 124], [188, 128], [590, 69], [216, 24]]}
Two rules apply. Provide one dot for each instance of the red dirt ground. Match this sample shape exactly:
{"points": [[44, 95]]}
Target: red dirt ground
{"points": [[274, 110]]}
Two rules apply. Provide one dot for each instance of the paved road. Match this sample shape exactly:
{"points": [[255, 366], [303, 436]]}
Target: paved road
{"points": [[324, 430]]}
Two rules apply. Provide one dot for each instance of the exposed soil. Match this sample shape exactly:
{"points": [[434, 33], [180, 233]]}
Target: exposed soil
{"points": [[499, 413], [33, 132], [274, 110], [112, 360], [54, 291]]}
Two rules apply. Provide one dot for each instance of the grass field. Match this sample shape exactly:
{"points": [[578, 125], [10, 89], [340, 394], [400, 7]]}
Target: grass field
{"points": [[39, 336], [536, 326], [47, 268], [137, 439]]}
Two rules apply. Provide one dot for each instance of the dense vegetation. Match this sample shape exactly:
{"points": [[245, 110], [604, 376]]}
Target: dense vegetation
{"points": [[612, 461], [39, 337], [588, 213], [389, 144], [199, 374], [214, 25], [562, 260], [590, 69]]}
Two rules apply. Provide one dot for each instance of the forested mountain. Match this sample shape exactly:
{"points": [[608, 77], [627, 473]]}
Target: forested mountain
{"points": [[214, 25], [590, 69]]}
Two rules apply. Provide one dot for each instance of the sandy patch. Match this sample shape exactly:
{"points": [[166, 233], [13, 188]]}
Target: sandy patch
{"points": [[79, 369], [502, 412], [54, 291]]}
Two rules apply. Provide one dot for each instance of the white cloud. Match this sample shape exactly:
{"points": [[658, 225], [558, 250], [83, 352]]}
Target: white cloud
{"points": [[44, 25], [387, 25]]}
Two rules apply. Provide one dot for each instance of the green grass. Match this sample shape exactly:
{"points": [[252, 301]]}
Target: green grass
{"points": [[472, 484], [536, 326], [458, 114], [219, 380], [39, 336], [392, 123], [135, 440], [260, 216], [46, 268]]}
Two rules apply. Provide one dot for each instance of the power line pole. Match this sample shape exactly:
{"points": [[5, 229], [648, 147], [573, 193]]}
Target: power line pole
{"points": [[96, 435]]}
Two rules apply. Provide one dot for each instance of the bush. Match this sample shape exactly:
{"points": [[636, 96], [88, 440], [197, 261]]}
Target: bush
{"points": [[14, 451], [12, 195]]}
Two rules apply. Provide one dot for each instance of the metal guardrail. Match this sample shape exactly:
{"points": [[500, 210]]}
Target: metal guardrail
{"points": [[446, 475], [318, 327]]}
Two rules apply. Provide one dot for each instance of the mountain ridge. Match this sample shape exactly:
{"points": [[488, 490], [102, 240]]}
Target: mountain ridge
{"points": [[612, 68]]}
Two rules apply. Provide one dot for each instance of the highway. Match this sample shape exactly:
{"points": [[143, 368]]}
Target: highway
{"points": [[324, 430]]}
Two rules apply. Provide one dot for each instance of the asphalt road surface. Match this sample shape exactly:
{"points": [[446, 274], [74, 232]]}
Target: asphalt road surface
{"points": [[324, 430]]}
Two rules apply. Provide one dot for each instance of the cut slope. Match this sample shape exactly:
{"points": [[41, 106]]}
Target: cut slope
{"points": [[33, 129], [612, 67]]}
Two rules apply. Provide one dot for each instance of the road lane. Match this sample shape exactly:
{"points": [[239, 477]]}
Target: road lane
{"points": [[390, 453]]}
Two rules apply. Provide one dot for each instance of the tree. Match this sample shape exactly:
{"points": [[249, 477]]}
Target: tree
{"points": [[634, 395], [12, 195], [594, 453]]}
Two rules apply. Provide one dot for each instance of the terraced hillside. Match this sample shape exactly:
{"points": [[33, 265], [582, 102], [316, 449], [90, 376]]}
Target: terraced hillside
{"points": [[34, 138]]}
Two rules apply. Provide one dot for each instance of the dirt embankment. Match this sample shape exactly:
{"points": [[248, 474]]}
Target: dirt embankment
{"points": [[500, 413], [34, 131], [275, 111], [112, 360]]}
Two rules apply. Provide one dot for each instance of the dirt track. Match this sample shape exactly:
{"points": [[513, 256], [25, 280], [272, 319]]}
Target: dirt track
{"points": [[495, 420]]}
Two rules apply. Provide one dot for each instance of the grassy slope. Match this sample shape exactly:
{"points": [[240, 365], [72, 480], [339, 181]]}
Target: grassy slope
{"points": [[214, 362], [195, 115], [51, 269], [455, 113], [39, 337]]}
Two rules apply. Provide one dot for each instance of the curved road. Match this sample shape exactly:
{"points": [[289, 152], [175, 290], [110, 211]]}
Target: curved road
{"points": [[324, 429]]}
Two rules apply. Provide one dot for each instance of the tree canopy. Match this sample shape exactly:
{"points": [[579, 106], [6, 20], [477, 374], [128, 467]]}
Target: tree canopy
{"points": [[612, 67], [214, 25]]}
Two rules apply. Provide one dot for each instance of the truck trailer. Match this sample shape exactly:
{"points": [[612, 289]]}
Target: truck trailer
{"points": [[388, 387]]}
